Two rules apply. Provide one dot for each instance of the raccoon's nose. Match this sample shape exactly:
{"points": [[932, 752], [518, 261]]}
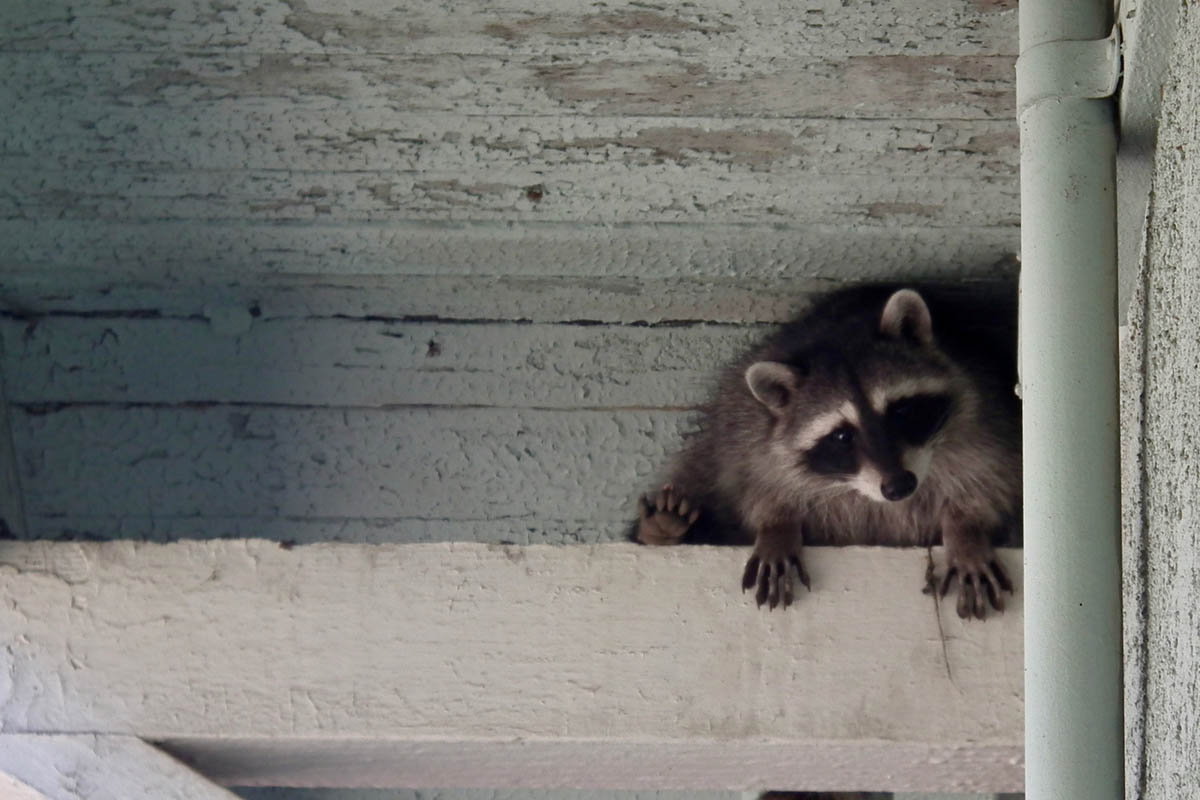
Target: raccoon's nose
{"points": [[900, 486]]}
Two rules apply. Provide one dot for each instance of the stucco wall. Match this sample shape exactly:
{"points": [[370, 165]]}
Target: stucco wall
{"points": [[1161, 430]]}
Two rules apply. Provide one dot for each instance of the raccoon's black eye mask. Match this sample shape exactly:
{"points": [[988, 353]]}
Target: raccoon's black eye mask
{"points": [[917, 418], [835, 453]]}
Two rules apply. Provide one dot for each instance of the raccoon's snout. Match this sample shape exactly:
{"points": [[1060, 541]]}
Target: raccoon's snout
{"points": [[900, 486]]}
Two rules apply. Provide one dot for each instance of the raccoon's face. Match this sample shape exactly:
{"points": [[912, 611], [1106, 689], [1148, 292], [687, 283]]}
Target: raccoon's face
{"points": [[883, 449], [867, 421]]}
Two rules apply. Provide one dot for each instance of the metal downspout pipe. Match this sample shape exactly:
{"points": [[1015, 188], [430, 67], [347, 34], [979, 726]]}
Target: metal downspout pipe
{"points": [[1066, 75]]}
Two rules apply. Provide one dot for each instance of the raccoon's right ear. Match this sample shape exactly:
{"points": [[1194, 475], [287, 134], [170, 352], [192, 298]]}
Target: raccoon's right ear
{"points": [[905, 316], [772, 383]]}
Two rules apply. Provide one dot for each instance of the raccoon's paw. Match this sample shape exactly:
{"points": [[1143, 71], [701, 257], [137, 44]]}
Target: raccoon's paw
{"points": [[981, 579], [773, 570], [664, 518]]}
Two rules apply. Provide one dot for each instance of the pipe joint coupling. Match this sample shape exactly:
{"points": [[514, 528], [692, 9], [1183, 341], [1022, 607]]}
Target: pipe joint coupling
{"points": [[1069, 69]]}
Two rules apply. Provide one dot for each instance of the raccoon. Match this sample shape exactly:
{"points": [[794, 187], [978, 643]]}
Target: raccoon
{"points": [[867, 420]]}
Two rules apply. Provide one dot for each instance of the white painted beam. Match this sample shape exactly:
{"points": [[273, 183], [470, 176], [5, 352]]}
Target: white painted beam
{"points": [[474, 665], [92, 767]]}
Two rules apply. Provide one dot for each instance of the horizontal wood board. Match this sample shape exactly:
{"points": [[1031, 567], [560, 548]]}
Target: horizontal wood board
{"points": [[214, 135], [354, 362], [352, 427], [184, 257], [414, 665], [418, 473], [562, 28]]}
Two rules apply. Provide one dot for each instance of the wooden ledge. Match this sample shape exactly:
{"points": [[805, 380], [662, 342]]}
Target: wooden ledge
{"points": [[472, 665]]}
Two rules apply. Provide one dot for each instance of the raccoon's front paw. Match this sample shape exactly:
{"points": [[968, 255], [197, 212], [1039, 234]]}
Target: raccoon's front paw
{"points": [[981, 579], [664, 518], [772, 568]]}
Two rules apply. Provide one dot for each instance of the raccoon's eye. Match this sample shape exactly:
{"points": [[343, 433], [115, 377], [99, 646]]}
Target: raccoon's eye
{"points": [[835, 453], [915, 419]]}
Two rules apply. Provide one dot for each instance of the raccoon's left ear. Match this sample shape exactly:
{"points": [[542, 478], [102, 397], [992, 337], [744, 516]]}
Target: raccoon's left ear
{"points": [[905, 316], [772, 384]]}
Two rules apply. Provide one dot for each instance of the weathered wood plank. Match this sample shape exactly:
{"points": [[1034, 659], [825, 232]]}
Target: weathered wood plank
{"points": [[31, 295], [97, 767], [216, 134], [516, 193], [890, 87], [564, 28], [229, 355], [336, 362], [190, 252], [428, 665], [554, 470]]}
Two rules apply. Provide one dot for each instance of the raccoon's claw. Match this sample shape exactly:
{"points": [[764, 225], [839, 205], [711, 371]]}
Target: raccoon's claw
{"points": [[773, 577], [977, 581], [665, 517]]}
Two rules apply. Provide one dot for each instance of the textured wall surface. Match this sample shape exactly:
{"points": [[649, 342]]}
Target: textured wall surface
{"points": [[429, 270], [1161, 426]]}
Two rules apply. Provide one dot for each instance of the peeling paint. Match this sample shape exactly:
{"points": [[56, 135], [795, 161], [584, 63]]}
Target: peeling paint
{"points": [[887, 210], [634, 22], [995, 6], [689, 144], [356, 28], [554, 29], [885, 84]]}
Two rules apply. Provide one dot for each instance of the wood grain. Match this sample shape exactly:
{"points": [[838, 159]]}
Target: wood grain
{"points": [[213, 134], [339, 362], [560, 28], [187, 253], [855, 87]]}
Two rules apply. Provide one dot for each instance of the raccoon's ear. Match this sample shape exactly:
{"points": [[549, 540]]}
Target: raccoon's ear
{"points": [[772, 383], [905, 316]]}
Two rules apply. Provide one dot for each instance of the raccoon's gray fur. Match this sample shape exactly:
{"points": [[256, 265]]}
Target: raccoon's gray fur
{"points": [[866, 420]]}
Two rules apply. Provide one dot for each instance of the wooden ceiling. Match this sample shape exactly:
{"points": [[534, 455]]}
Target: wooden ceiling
{"points": [[451, 270]]}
